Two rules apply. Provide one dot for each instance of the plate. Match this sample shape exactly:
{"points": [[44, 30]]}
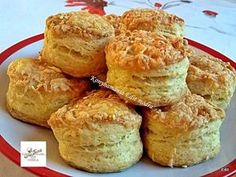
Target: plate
{"points": [[14, 131]]}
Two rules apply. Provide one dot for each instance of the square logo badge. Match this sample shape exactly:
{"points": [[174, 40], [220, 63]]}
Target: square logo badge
{"points": [[33, 153]]}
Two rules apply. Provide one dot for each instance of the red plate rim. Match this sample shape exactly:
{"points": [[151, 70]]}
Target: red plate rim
{"points": [[14, 155]]}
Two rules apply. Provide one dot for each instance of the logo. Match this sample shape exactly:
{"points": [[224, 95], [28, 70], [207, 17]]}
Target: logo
{"points": [[33, 154]]}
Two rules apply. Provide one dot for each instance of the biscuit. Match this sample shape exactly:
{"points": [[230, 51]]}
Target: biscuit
{"points": [[98, 133], [146, 68], [75, 41], [211, 78], [152, 20], [36, 90], [183, 134]]}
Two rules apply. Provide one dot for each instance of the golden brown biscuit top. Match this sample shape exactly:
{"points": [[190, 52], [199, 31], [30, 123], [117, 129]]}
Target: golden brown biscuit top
{"points": [[114, 20], [209, 68], [143, 50], [101, 106], [34, 74], [190, 113], [148, 19], [81, 24]]}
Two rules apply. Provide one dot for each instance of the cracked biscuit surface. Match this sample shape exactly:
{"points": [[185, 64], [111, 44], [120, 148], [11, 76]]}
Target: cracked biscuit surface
{"points": [[114, 20]]}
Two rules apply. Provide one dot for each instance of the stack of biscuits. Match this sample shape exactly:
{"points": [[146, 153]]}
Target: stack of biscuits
{"points": [[143, 61]]}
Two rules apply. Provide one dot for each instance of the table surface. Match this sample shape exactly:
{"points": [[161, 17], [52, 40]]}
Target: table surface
{"points": [[212, 24]]}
